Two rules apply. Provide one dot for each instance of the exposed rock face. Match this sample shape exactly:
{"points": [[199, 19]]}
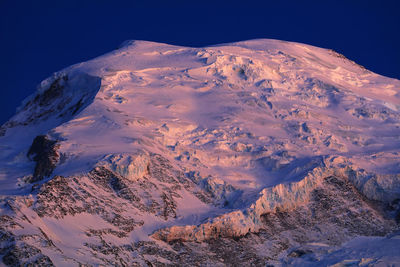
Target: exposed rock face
{"points": [[25, 255], [15, 249], [44, 152]]}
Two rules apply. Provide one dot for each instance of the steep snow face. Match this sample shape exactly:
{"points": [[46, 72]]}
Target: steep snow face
{"points": [[57, 100], [161, 142]]}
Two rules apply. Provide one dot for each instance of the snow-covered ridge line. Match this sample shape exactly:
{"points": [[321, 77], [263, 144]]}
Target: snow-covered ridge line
{"points": [[56, 100]]}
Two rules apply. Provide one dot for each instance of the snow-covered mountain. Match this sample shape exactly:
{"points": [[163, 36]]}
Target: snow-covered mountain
{"points": [[250, 153]]}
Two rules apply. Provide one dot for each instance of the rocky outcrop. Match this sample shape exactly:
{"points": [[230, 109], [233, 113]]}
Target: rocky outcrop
{"points": [[15, 250], [25, 255], [44, 152]]}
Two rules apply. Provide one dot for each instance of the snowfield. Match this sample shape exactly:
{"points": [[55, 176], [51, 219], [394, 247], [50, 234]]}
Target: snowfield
{"points": [[250, 153]]}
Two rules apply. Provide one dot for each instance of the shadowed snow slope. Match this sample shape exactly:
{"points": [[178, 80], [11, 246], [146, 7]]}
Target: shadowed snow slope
{"points": [[241, 153]]}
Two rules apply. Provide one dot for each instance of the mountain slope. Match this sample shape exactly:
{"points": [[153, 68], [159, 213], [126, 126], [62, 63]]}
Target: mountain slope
{"points": [[159, 154]]}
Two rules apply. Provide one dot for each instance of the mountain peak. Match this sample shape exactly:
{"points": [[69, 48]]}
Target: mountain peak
{"points": [[155, 142]]}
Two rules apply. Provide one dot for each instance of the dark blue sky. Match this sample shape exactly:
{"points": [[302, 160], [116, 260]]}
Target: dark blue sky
{"points": [[38, 37]]}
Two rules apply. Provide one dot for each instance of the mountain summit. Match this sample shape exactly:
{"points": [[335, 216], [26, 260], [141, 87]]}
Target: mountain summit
{"points": [[250, 153]]}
